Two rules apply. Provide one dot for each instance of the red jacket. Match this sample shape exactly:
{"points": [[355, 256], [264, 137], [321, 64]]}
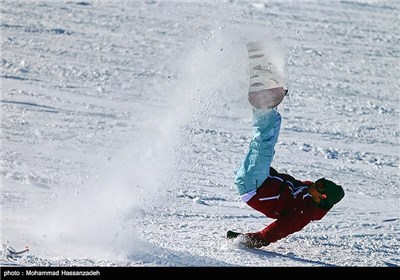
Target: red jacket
{"points": [[287, 200]]}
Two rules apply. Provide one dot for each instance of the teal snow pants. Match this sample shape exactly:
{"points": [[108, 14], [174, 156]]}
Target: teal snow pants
{"points": [[255, 166]]}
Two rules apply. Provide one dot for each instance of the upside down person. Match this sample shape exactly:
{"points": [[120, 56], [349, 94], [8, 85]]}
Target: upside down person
{"points": [[292, 203]]}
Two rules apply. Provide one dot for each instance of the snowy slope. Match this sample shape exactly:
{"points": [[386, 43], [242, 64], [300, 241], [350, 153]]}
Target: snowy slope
{"points": [[123, 123]]}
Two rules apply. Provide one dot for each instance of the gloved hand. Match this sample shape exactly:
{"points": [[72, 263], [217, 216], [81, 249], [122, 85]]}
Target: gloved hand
{"points": [[252, 240]]}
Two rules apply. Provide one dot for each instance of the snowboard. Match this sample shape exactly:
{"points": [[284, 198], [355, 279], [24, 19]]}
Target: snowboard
{"points": [[267, 88]]}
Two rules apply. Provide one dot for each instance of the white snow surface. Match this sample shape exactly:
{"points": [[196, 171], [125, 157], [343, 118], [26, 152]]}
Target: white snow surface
{"points": [[123, 123]]}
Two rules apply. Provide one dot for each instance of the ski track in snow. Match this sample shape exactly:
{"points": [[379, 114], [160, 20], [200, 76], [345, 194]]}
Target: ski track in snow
{"points": [[123, 123]]}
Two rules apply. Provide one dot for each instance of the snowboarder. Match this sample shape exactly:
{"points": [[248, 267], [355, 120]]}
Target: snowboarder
{"points": [[293, 203]]}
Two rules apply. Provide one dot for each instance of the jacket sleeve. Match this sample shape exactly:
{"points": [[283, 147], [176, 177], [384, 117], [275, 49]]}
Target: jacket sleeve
{"points": [[285, 225]]}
